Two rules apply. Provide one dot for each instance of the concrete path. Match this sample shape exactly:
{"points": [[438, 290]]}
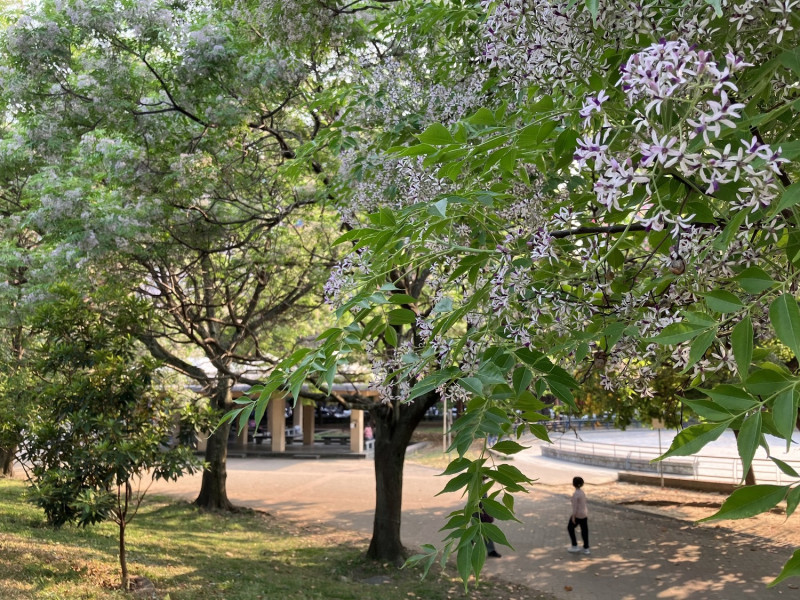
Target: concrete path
{"points": [[635, 555]]}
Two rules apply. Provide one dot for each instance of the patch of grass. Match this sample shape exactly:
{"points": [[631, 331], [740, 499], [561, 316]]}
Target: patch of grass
{"points": [[194, 555]]}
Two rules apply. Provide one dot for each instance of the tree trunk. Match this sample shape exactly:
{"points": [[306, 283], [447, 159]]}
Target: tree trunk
{"points": [[213, 491], [123, 559], [123, 522], [394, 426], [7, 456]]}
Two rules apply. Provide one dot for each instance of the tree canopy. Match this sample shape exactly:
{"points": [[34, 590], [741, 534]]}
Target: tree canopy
{"points": [[602, 189], [534, 194]]}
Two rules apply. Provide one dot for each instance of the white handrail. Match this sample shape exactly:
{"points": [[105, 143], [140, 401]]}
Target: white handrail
{"points": [[706, 467]]}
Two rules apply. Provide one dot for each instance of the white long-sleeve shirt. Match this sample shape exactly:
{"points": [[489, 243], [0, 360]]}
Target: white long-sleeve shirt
{"points": [[579, 509]]}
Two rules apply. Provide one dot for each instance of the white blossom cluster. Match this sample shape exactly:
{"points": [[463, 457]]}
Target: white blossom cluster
{"points": [[383, 364], [395, 90], [686, 134], [387, 181], [342, 281], [680, 74], [287, 21]]}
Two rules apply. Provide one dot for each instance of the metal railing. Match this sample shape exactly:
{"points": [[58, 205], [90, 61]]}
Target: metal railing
{"points": [[726, 469]]}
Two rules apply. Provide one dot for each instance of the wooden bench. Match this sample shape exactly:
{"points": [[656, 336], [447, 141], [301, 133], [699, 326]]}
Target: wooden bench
{"points": [[338, 439], [260, 437]]}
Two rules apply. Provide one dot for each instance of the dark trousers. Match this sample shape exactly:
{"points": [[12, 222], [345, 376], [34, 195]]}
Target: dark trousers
{"points": [[584, 524]]}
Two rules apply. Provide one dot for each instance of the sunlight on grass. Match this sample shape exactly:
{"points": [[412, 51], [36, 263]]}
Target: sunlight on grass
{"points": [[195, 555]]}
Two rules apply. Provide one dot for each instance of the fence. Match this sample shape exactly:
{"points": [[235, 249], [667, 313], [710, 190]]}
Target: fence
{"points": [[727, 469]]}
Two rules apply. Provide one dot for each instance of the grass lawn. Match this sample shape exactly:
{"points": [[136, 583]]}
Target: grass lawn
{"points": [[190, 554]]}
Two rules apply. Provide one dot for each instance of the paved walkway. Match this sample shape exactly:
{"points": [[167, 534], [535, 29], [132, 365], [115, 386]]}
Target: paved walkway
{"points": [[635, 555]]}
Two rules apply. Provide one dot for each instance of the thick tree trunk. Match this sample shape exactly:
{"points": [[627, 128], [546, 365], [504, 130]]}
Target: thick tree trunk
{"points": [[394, 426], [7, 456], [213, 491]]}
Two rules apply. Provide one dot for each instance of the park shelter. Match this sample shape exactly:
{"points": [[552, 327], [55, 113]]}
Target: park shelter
{"points": [[301, 437]]}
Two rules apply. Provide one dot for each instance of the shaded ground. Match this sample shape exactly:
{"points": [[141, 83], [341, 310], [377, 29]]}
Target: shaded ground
{"points": [[642, 547]]}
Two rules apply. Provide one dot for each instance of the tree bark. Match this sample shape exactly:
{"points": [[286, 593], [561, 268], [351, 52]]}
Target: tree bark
{"points": [[7, 456], [213, 491], [394, 426], [123, 522]]}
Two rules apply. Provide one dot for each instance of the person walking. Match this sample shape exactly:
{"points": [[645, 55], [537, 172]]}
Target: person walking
{"points": [[579, 517]]}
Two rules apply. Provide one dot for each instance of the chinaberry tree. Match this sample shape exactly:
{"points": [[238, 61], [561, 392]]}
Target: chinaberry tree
{"points": [[597, 186], [169, 137]]}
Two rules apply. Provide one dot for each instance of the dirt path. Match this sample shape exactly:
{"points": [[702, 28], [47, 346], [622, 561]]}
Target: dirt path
{"points": [[642, 548]]}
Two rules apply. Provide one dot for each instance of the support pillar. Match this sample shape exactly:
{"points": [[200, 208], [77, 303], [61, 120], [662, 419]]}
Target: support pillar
{"points": [[356, 430], [308, 424], [297, 416], [277, 422]]}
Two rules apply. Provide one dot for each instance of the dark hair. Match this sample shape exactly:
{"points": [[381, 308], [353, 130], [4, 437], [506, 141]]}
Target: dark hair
{"points": [[577, 482]]}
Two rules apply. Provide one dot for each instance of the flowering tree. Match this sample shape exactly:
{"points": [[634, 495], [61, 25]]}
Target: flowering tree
{"points": [[606, 189], [166, 140]]}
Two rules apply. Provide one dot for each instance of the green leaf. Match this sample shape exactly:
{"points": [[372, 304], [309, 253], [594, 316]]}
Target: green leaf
{"points": [[793, 497], [785, 317], [428, 555], [436, 135], [593, 6], [402, 299], [791, 60], [784, 414], [416, 150], [677, 333], [790, 569], [456, 483], [464, 560], [692, 439], [471, 384], [790, 197], [785, 468], [508, 447], [723, 301], [528, 136], [748, 439], [766, 382], [543, 104], [613, 333], [521, 379], [566, 143], [401, 316], [432, 381], [391, 336], [716, 5], [708, 410], [438, 209], [700, 345], [444, 305], [457, 465], [561, 391], [742, 343], [494, 533], [483, 116], [749, 501], [732, 398], [754, 280]]}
